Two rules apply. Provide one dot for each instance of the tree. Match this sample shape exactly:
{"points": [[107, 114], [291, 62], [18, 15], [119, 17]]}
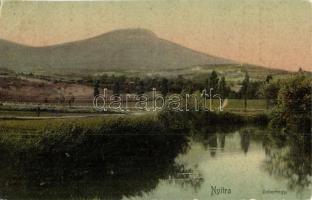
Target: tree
{"points": [[293, 111], [270, 91], [116, 87], [96, 90], [268, 78], [141, 88], [213, 80], [189, 87], [164, 87], [179, 84], [244, 89], [253, 91], [222, 88]]}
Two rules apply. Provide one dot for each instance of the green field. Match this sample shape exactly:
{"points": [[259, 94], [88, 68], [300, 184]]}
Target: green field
{"points": [[232, 105], [28, 125]]}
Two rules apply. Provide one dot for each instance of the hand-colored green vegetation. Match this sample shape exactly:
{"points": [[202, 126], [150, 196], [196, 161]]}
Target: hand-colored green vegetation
{"points": [[128, 124], [247, 90], [40, 125], [71, 163], [130, 154], [127, 156], [293, 110]]}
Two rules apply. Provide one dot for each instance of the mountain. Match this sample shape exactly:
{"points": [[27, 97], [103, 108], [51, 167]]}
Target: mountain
{"points": [[126, 49]]}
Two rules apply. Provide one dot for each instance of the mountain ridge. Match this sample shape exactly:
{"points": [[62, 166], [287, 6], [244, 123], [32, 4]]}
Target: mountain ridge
{"points": [[118, 49]]}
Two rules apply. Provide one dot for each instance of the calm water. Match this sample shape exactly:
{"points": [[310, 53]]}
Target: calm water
{"points": [[244, 163]]}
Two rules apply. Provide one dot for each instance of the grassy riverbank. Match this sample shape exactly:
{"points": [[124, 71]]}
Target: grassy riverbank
{"points": [[254, 107], [130, 123]]}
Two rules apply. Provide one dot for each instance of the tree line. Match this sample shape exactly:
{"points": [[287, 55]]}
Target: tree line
{"points": [[138, 85]]}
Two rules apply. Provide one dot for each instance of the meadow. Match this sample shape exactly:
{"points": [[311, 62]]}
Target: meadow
{"points": [[254, 106]]}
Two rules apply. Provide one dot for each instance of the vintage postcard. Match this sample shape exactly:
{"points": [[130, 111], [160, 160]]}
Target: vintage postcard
{"points": [[155, 99]]}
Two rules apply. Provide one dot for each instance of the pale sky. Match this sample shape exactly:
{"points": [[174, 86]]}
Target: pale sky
{"points": [[273, 33]]}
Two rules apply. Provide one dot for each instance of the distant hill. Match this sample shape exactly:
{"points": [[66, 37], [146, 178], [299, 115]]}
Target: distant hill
{"points": [[126, 49]]}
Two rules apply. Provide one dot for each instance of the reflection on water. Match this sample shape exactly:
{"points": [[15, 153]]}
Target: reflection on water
{"points": [[205, 163], [293, 161]]}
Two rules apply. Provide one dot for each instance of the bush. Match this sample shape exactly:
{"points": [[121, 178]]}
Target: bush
{"points": [[293, 110]]}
